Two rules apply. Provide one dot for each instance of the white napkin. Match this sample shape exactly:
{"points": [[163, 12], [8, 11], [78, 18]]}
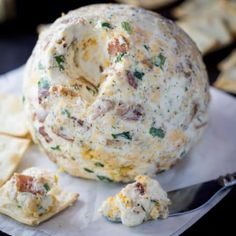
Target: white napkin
{"points": [[213, 156]]}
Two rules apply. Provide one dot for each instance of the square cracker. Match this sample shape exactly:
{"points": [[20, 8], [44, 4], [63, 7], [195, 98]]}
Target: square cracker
{"points": [[229, 62], [65, 199], [209, 32], [11, 152], [227, 80], [12, 117], [204, 42]]}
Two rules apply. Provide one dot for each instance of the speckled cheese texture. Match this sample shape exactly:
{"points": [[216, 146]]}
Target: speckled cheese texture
{"points": [[138, 202], [114, 91]]}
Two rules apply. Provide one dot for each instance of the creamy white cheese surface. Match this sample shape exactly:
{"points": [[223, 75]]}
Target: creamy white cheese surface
{"points": [[138, 202], [114, 91], [30, 192]]}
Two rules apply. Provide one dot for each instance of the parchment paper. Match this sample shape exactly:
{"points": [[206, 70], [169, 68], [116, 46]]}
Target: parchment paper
{"points": [[213, 156]]}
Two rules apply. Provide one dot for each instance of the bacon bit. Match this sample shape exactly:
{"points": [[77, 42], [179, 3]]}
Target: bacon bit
{"points": [[63, 91], [102, 108], [194, 110], [114, 142], [200, 126], [42, 94], [24, 183], [41, 115], [101, 68], [116, 47], [131, 80], [140, 188], [133, 112], [148, 63], [77, 121], [61, 133], [44, 134]]}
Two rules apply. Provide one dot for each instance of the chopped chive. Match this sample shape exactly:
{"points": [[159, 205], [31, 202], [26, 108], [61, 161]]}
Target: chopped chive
{"points": [[139, 75], [104, 179], [125, 135], [60, 60], [46, 186], [146, 47], [120, 56], [40, 66], [98, 164], [106, 25], [92, 91], [43, 84], [157, 132], [155, 201], [56, 148], [159, 61], [23, 99], [66, 112], [88, 170], [183, 153], [126, 26]]}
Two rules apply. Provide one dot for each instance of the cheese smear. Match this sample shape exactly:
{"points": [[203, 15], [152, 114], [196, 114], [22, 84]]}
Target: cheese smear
{"points": [[138, 202]]}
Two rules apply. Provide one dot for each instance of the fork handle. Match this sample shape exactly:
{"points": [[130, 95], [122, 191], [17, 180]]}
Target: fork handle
{"points": [[227, 180]]}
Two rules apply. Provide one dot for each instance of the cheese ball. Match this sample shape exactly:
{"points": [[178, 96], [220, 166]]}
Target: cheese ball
{"points": [[114, 91]]}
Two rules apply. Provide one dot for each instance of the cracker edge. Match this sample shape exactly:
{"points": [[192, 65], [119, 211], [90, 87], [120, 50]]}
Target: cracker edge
{"points": [[21, 154], [33, 221]]}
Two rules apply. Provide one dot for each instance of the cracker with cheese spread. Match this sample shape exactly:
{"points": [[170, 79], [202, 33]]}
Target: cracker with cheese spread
{"points": [[34, 196]]}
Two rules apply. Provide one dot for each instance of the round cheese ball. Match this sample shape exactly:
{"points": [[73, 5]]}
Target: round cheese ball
{"points": [[114, 91]]}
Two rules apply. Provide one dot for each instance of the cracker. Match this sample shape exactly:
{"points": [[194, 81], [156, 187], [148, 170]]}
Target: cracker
{"points": [[149, 4], [12, 117], [193, 8], [229, 62], [204, 42], [11, 152], [42, 27], [65, 200], [210, 33], [227, 81]]}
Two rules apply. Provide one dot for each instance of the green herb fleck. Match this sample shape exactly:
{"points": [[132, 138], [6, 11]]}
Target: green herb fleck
{"points": [[23, 99], [40, 66], [186, 89], [88, 170], [60, 60], [43, 84], [183, 153], [120, 56], [104, 179], [19, 206], [159, 61], [146, 47], [56, 148], [157, 132], [66, 112], [155, 201], [139, 75], [126, 135], [98, 164], [46, 186], [106, 25], [92, 91], [126, 26]]}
